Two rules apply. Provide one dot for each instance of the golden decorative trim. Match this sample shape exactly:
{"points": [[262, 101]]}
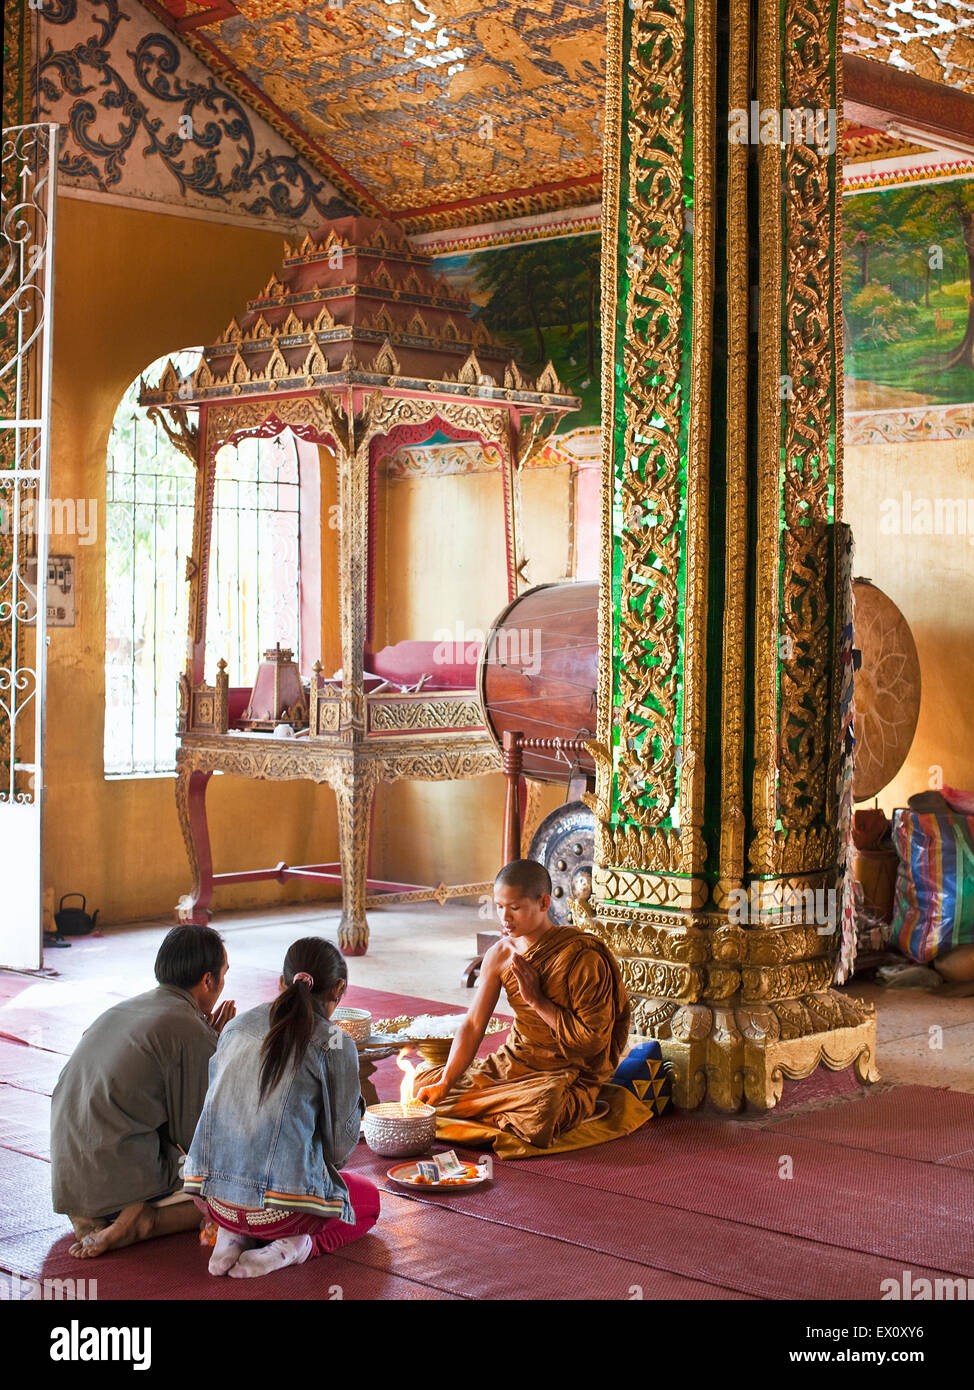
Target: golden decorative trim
{"points": [[723, 982], [180, 433], [732, 827], [649, 489], [500, 209], [657, 978], [388, 714], [698, 430], [611, 885], [636, 935], [440, 894], [786, 981], [632, 932], [806, 665], [764, 794]]}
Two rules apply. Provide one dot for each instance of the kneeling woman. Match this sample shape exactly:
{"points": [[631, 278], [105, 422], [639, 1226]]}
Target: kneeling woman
{"points": [[281, 1116]]}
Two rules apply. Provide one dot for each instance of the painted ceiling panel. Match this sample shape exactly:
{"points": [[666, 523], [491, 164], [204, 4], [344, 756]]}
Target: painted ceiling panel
{"points": [[428, 106], [927, 37], [445, 112]]}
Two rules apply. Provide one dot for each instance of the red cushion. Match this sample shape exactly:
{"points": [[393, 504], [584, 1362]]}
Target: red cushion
{"points": [[450, 666], [961, 802], [238, 698]]}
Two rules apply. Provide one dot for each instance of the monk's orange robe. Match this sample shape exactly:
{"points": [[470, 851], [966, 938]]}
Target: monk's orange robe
{"points": [[545, 1081]]}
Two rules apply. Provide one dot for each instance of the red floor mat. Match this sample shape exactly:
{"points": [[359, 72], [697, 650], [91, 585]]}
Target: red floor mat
{"points": [[25, 1122], [479, 1259], [176, 1268], [414, 1252], [884, 1206], [690, 1207], [663, 1230], [28, 1067], [25, 1196], [918, 1122]]}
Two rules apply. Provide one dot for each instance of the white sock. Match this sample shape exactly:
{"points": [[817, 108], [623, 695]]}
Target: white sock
{"points": [[227, 1250], [289, 1250]]}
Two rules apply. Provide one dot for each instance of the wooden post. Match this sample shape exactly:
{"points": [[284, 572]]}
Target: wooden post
{"points": [[513, 760]]}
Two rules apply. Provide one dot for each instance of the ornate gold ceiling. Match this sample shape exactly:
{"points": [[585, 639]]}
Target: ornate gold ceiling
{"points": [[443, 113], [933, 40], [437, 111]]}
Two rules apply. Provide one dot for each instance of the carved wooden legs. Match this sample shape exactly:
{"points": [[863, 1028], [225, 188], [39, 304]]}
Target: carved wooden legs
{"points": [[354, 791], [191, 809]]}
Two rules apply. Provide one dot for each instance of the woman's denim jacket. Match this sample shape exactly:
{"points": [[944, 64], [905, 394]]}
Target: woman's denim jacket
{"points": [[287, 1151]]}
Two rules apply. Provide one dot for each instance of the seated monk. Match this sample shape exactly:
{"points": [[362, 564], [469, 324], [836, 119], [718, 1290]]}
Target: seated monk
{"points": [[571, 1022], [128, 1100]]}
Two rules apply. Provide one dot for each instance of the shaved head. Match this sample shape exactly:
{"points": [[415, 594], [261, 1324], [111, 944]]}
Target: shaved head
{"points": [[525, 876]]}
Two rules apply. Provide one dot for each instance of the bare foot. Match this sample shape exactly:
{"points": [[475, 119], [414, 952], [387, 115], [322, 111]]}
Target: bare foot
{"points": [[136, 1222], [86, 1225], [132, 1224]]}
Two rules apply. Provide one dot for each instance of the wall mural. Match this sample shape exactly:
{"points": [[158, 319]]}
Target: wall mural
{"points": [[908, 297], [541, 299], [144, 118], [908, 300]]}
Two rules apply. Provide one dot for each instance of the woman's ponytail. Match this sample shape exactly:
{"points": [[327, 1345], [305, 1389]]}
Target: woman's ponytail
{"points": [[312, 969]]}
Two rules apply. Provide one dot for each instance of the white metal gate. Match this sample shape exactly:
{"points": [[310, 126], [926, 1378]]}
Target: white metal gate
{"points": [[27, 189]]}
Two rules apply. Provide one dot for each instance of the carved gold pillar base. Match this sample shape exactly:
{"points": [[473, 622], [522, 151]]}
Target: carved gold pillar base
{"points": [[734, 1053], [735, 1010]]}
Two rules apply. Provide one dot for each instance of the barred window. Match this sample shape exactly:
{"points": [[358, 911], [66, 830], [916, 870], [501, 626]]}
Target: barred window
{"points": [[253, 583], [254, 594]]}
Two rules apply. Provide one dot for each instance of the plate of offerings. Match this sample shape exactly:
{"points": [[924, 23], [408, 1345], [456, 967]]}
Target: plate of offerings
{"points": [[445, 1172], [431, 1034]]}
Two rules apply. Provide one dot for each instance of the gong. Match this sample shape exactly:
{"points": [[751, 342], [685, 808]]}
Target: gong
{"points": [[887, 690], [564, 843]]}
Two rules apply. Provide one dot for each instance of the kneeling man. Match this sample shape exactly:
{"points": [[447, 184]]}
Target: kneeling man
{"points": [[571, 1022], [128, 1101]]}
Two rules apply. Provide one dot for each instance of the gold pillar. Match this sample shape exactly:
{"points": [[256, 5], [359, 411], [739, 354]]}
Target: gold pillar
{"points": [[718, 742]]}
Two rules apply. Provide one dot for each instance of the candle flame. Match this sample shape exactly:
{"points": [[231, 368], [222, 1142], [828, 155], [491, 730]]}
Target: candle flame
{"points": [[406, 1099]]}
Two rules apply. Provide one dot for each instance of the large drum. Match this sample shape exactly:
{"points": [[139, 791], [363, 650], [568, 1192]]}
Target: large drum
{"points": [[538, 674]]}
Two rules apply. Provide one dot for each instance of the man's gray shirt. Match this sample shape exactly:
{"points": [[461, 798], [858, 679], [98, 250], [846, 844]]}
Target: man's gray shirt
{"points": [[128, 1101]]}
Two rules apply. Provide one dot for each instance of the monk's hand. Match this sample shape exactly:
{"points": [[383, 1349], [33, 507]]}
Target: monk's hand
{"points": [[527, 981], [220, 1017], [432, 1095]]}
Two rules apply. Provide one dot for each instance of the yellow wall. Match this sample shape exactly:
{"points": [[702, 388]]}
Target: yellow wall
{"points": [[931, 580], [131, 286], [440, 556], [442, 564], [545, 534]]}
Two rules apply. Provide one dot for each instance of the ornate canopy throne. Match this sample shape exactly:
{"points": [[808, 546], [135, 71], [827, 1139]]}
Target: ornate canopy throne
{"points": [[358, 350]]}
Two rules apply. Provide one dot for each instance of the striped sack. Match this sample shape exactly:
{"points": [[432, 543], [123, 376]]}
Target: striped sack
{"points": [[934, 907]]}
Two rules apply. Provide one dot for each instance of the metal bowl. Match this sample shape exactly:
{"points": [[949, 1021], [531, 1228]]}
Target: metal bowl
{"points": [[393, 1134], [357, 1023]]}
